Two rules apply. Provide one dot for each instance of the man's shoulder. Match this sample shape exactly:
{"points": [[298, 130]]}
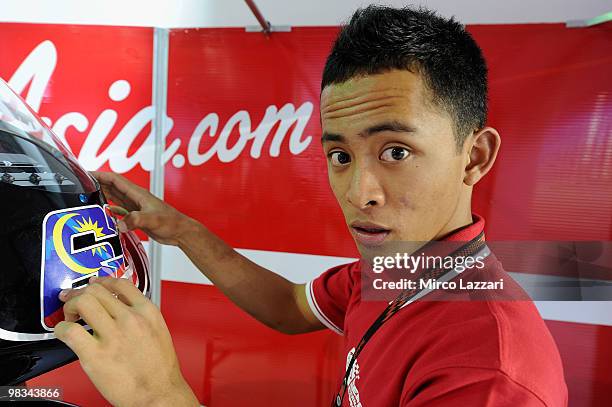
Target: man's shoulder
{"points": [[350, 271], [509, 337]]}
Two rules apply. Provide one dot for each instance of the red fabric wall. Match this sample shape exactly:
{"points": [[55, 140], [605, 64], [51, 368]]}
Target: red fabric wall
{"points": [[550, 99]]}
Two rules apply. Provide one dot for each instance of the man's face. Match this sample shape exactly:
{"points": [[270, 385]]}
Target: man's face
{"points": [[393, 162]]}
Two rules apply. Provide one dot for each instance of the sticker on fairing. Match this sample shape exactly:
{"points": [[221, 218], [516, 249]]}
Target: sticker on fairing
{"points": [[78, 243]]}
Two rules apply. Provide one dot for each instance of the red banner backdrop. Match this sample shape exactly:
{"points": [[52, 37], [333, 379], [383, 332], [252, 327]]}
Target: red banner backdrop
{"points": [[92, 84], [244, 157], [250, 132]]}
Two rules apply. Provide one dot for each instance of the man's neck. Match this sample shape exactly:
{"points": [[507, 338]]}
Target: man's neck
{"points": [[461, 218]]}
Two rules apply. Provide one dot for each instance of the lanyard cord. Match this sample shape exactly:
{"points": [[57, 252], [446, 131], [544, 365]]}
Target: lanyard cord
{"points": [[402, 299]]}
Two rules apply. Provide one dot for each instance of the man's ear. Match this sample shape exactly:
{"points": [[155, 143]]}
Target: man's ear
{"points": [[484, 145]]}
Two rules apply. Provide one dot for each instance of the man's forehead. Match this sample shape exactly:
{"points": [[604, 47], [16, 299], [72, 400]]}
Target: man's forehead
{"points": [[361, 101], [362, 87], [395, 99]]}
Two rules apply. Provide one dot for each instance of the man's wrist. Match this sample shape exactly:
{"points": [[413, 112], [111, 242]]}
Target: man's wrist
{"points": [[178, 395], [189, 231]]}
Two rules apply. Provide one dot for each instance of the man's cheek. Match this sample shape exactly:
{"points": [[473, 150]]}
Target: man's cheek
{"points": [[338, 189], [419, 192], [407, 202]]}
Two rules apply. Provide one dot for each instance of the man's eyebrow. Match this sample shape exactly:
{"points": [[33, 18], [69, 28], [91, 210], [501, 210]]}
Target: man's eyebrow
{"points": [[332, 137], [393, 125]]}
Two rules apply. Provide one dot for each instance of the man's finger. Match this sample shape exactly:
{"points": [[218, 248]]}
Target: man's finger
{"points": [[118, 210], [109, 301], [125, 290], [124, 187], [134, 220], [69, 293], [89, 308], [76, 337], [112, 195]]}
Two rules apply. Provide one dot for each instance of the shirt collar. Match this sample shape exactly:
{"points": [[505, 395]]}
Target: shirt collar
{"points": [[468, 232]]}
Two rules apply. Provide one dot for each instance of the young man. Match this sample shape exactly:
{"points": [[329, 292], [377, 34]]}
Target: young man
{"points": [[403, 113]]}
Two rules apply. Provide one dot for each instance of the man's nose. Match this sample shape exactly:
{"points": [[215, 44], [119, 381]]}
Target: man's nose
{"points": [[365, 190]]}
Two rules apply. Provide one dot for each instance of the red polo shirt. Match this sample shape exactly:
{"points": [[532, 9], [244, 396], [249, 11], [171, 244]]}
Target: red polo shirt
{"points": [[442, 353]]}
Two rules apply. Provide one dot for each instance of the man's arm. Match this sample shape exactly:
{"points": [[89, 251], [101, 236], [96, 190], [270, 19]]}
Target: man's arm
{"points": [[268, 297]]}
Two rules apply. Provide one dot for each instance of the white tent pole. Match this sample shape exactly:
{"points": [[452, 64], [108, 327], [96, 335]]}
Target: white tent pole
{"points": [[160, 96]]}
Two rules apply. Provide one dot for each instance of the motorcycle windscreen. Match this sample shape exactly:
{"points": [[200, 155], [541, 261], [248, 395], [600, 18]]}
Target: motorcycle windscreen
{"points": [[31, 155]]}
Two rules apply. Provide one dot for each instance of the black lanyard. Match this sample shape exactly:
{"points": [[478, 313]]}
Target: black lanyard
{"points": [[469, 249]]}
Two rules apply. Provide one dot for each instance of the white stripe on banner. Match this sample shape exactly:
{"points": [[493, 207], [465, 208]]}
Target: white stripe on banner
{"points": [[302, 268], [299, 268]]}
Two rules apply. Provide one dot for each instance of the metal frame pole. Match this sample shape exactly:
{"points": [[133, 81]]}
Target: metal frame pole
{"points": [[265, 24], [160, 98]]}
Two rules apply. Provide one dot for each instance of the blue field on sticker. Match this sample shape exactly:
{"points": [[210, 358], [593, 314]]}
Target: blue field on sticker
{"points": [[77, 243]]}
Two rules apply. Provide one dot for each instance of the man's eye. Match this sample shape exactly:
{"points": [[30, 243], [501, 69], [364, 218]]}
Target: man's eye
{"points": [[394, 154], [339, 158]]}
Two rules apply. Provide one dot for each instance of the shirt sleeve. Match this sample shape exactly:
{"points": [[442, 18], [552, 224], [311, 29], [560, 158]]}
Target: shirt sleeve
{"points": [[328, 296], [465, 386]]}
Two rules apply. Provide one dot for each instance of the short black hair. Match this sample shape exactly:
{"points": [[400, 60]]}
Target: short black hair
{"points": [[380, 38]]}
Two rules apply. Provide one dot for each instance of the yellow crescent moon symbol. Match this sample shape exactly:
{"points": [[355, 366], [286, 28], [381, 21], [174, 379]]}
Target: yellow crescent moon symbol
{"points": [[61, 251]]}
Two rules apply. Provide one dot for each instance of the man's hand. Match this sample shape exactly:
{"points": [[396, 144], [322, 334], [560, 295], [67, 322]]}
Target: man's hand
{"points": [[130, 357], [143, 210]]}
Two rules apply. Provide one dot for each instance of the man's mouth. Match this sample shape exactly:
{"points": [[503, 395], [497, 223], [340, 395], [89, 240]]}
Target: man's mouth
{"points": [[369, 234]]}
